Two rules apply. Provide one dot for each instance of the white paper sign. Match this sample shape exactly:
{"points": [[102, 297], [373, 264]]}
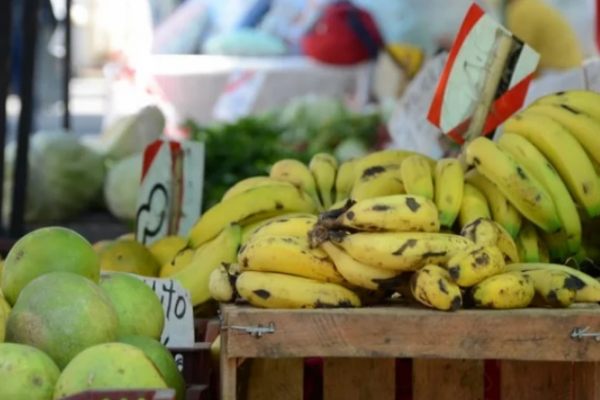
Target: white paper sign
{"points": [[193, 186], [239, 95], [591, 74]]}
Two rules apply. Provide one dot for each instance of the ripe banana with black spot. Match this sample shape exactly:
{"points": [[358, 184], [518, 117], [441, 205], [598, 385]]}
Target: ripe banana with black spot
{"points": [[246, 184], [475, 264], [222, 249], [344, 179], [534, 161], [527, 243], [280, 291], [401, 251], [553, 288], [378, 181], [385, 157], [449, 186], [284, 226], [252, 205], [515, 181], [417, 176], [398, 213], [221, 285], [288, 255], [324, 168], [565, 153], [503, 212], [487, 232], [432, 287], [474, 206], [584, 101], [588, 288], [359, 274], [249, 229], [509, 290], [298, 174]]}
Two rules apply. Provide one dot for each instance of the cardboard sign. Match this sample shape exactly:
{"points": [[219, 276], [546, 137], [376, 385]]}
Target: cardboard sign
{"points": [[170, 199], [476, 54], [239, 95]]}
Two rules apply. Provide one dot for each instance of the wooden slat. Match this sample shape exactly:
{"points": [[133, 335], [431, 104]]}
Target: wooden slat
{"points": [[448, 379], [359, 379], [403, 332], [281, 379], [536, 380], [227, 371], [586, 381]]}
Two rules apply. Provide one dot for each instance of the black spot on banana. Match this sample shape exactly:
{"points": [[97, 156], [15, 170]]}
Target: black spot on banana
{"points": [[407, 245], [263, 294]]}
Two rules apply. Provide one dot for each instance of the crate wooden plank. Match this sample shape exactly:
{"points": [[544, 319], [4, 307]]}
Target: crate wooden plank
{"points": [[535, 380], [227, 371], [405, 332], [359, 379], [586, 381], [454, 379], [281, 379]]}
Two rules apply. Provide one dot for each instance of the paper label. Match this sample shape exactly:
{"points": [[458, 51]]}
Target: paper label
{"points": [[239, 95], [193, 186]]}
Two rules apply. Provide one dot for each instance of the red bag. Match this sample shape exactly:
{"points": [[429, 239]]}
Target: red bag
{"points": [[343, 35]]}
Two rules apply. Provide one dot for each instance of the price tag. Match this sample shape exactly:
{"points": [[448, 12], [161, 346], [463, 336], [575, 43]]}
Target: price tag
{"points": [[485, 80], [239, 95], [170, 198]]}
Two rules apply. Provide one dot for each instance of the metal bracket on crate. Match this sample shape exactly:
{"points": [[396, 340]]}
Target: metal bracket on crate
{"points": [[254, 331], [581, 333]]}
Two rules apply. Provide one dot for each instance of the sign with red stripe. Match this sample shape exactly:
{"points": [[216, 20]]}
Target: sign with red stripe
{"points": [[467, 69]]}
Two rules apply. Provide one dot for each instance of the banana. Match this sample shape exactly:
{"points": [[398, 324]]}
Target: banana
{"points": [[505, 291], [553, 288], [527, 243], [249, 229], [584, 101], [583, 127], [221, 285], [557, 245], [565, 153], [359, 274], [166, 248], [222, 249], [401, 251], [284, 226], [449, 186], [344, 179], [475, 264], [474, 206], [324, 169], [534, 161], [432, 287], [487, 232], [298, 174], [588, 288], [398, 213], [417, 176], [255, 204], [514, 181], [378, 181], [544, 251], [181, 260], [288, 255], [338, 205], [376, 160], [272, 290], [246, 184], [503, 212]]}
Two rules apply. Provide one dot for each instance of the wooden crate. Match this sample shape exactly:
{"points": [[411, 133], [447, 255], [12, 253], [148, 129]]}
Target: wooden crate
{"points": [[540, 357]]}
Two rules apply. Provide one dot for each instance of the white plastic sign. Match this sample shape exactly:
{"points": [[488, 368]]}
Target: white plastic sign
{"points": [[240, 94]]}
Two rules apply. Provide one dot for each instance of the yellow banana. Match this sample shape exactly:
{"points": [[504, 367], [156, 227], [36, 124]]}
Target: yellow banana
{"points": [[401, 251], [505, 291], [475, 264], [557, 245], [359, 274], [166, 248], [298, 174], [344, 180], [553, 288], [588, 288], [378, 182], [503, 212], [181, 260], [284, 226], [288, 255], [417, 176], [544, 251], [487, 232], [246, 184], [249, 229], [432, 287], [324, 168], [222, 249], [255, 204], [366, 164], [583, 101], [565, 154], [279, 291], [527, 243], [221, 285], [449, 187], [515, 181], [474, 206], [398, 213], [534, 161]]}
